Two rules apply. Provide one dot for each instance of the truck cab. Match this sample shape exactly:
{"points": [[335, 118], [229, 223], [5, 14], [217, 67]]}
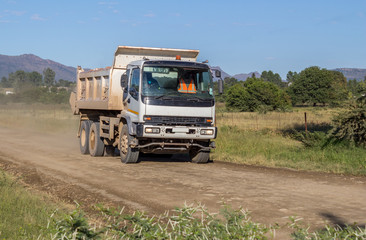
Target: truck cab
{"points": [[171, 105]]}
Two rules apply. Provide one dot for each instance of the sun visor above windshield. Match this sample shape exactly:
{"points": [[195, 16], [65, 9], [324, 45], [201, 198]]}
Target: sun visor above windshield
{"points": [[126, 54]]}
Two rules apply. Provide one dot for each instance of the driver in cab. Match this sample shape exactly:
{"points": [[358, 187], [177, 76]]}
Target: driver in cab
{"points": [[187, 84]]}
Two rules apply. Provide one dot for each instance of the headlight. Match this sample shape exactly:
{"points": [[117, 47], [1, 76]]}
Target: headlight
{"points": [[152, 130], [207, 132]]}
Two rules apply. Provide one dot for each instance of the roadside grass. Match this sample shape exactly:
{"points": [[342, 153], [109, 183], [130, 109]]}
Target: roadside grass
{"points": [[273, 149], [38, 117], [22, 215], [274, 120]]}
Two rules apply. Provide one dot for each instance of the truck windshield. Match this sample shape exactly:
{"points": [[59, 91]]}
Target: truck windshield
{"points": [[161, 81]]}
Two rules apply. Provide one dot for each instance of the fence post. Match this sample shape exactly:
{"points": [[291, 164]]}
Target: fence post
{"points": [[306, 123]]}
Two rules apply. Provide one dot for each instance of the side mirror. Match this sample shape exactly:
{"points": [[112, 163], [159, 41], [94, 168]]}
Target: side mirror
{"points": [[221, 86], [125, 93], [133, 92], [218, 73]]}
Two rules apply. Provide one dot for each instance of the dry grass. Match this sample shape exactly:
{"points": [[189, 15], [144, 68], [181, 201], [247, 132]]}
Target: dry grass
{"points": [[273, 120], [38, 117]]}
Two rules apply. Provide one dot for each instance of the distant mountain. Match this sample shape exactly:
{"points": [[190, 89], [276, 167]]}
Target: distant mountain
{"points": [[30, 63], [244, 76], [223, 73], [240, 77], [352, 73]]}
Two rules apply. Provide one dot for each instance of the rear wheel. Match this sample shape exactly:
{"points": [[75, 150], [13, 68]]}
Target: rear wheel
{"points": [[96, 145], [109, 150], [84, 137], [128, 154]]}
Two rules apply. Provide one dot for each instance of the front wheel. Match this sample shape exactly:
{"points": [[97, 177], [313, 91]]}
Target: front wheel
{"points": [[198, 156], [128, 154]]}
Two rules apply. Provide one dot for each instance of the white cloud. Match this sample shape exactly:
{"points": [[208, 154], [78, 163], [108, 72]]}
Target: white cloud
{"points": [[107, 3], [15, 13], [36, 17], [150, 15], [270, 58], [244, 24]]}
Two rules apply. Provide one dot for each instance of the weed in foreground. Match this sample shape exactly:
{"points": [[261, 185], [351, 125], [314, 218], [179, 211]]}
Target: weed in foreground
{"points": [[350, 232]]}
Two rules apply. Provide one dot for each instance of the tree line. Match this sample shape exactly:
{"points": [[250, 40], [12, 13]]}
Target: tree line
{"points": [[312, 86], [34, 87]]}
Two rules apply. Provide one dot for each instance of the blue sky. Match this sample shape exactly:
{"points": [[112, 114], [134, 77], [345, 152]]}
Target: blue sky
{"points": [[240, 36]]}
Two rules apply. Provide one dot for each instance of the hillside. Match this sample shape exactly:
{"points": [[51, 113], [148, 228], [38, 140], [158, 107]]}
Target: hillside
{"points": [[244, 76], [240, 76], [30, 62], [353, 73]]}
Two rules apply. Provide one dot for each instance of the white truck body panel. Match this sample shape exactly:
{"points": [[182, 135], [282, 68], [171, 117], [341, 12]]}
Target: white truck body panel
{"points": [[126, 54], [101, 89]]}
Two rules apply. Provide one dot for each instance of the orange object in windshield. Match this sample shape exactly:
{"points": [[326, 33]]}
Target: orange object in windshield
{"points": [[183, 86]]}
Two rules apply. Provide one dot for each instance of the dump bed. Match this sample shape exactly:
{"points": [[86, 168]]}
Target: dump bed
{"points": [[100, 89]]}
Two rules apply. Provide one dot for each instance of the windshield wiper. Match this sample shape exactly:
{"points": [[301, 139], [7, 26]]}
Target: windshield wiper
{"points": [[196, 99], [163, 97]]}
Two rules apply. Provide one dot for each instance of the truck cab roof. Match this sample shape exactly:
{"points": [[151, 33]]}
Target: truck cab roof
{"points": [[171, 63]]}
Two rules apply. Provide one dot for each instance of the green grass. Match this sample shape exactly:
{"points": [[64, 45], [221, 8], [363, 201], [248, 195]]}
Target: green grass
{"points": [[22, 215], [272, 149]]}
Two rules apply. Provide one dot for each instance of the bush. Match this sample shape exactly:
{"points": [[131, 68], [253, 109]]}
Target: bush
{"points": [[38, 95], [328, 233], [351, 124]]}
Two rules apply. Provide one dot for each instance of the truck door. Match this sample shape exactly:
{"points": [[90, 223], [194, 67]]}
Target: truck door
{"points": [[134, 88]]}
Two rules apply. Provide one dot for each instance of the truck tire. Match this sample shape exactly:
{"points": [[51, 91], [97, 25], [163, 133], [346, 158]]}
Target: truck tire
{"points": [[84, 137], [109, 151], [96, 145], [128, 154], [198, 156]]}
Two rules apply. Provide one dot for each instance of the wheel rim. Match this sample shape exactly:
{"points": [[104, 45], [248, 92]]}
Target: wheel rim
{"points": [[83, 137], [92, 140], [124, 143]]}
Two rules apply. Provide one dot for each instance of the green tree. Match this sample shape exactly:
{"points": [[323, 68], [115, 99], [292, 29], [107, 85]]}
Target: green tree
{"points": [[291, 76], [339, 87], [256, 95], [49, 77], [273, 78], [35, 78], [230, 81], [314, 85], [18, 80], [5, 83], [352, 86], [64, 83]]}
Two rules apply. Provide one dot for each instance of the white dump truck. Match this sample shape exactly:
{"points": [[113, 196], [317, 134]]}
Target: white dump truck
{"points": [[151, 100]]}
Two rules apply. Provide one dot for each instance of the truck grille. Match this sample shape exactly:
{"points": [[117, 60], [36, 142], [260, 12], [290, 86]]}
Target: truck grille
{"points": [[175, 120]]}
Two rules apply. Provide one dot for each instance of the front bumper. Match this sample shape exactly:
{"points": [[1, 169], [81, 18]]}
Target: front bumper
{"points": [[176, 132]]}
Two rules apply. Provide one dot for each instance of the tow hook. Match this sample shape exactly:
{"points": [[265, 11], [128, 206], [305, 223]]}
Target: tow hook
{"points": [[134, 143]]}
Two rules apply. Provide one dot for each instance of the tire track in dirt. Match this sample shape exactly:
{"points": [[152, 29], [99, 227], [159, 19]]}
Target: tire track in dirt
{"points": [[53, 162]]}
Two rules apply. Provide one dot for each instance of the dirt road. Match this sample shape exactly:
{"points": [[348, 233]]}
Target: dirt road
{"points": [[53, 162]]}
